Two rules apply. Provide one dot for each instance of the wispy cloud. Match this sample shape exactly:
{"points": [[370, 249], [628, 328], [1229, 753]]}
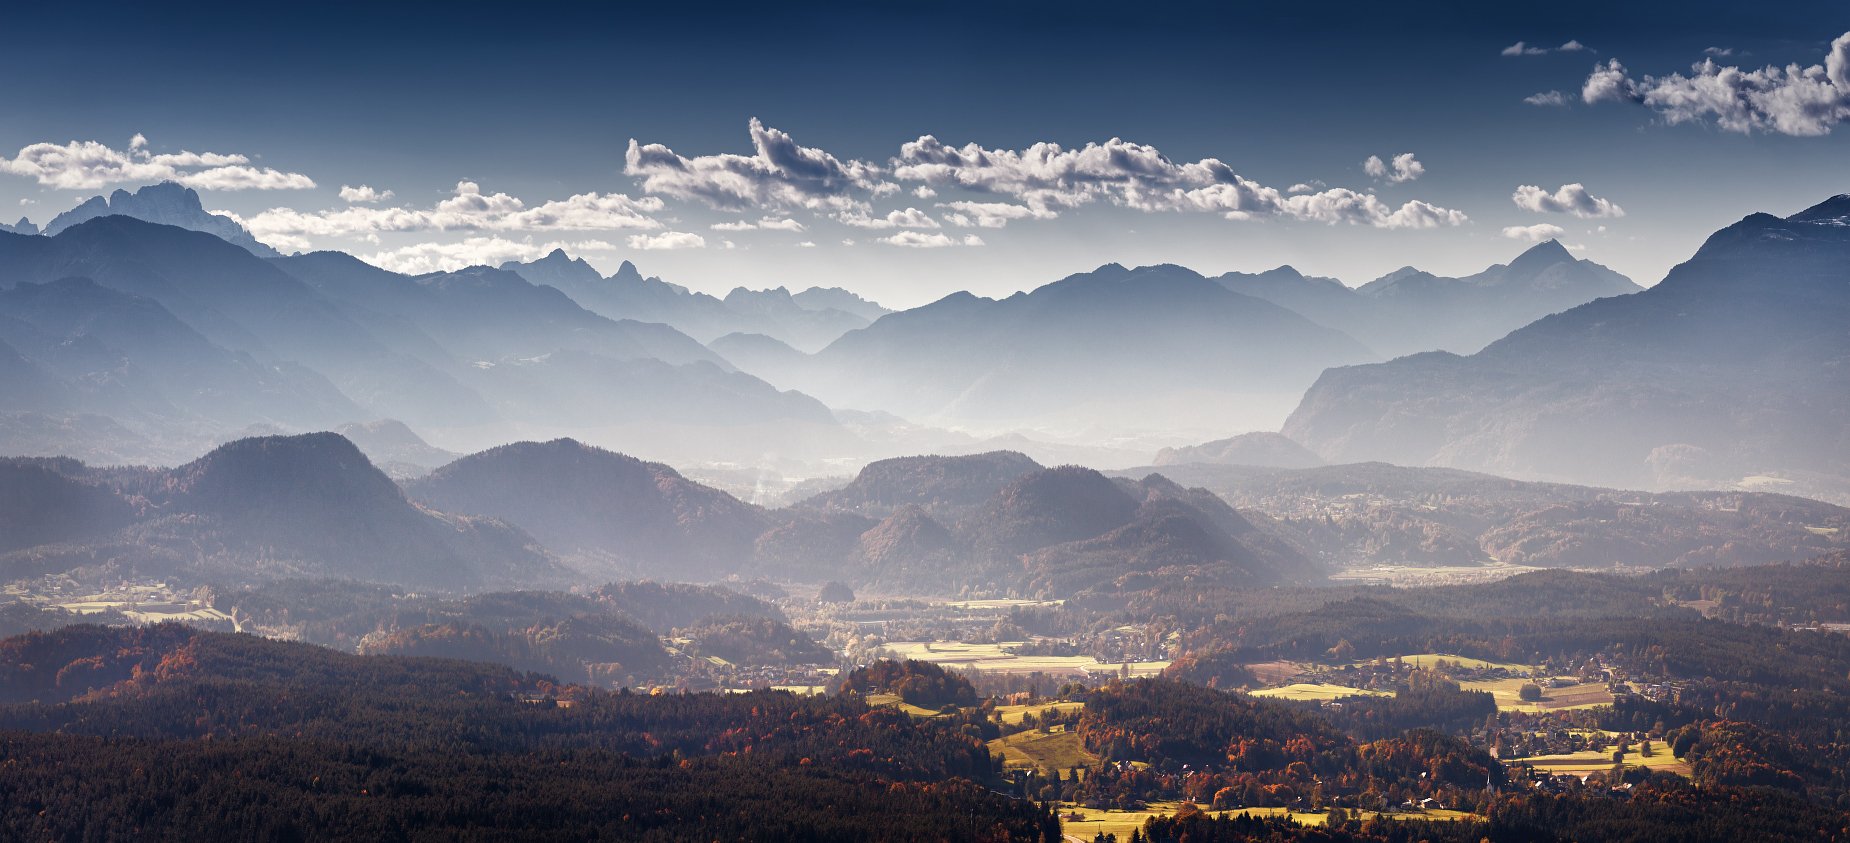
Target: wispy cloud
{"points": [[667, 240], [933, 240], [1524, 48], [89, 165], [1547, 99], [1804, 101]]}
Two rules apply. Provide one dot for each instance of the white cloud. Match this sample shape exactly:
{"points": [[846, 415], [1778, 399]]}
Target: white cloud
{"points": [[924, 192], [991, 214], [24, 202], [1569, 199], [778, 174], [1534, 233], [1311, 186], [908, 218], [1046, 176], [766, 224], [364, 194], [667, 240], [1718, 52], [1547, 99], [1522, 48], [473, 251], [934, 240], [1403, 168], [847, 241], [1793, 100], [807, 244], [88, 165], [467, 209]]}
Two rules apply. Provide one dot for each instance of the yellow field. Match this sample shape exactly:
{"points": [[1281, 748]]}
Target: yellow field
{"points": [[1584, 763], [1045, 752], [894, 701], [1121, 823], [994, 658], [1003, 603], [1509, 696], [1011, 714], [1312, 691]]}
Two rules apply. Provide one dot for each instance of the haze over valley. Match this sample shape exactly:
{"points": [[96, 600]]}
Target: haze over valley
{"points": [[1068, 423]]}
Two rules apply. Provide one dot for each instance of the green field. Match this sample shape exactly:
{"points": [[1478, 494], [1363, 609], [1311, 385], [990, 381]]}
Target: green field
{"points": [[1011, 714], [1045, 752], [1590, 761], [1509, 696], [1316, 692]]}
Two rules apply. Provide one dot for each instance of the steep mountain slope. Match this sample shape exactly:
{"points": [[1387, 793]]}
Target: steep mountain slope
{"points": [[309, 505], [1408, 310], [1731, 370], [130, 357], [241, 303], [615, 515], [1109, 345]]}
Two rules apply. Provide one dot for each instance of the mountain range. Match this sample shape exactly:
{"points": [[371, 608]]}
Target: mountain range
{"points": [[1410, 310], [1734, 371], [807, 320]]}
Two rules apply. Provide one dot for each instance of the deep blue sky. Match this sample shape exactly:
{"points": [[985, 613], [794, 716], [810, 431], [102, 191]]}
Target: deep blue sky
{"points": [[540, 101]]}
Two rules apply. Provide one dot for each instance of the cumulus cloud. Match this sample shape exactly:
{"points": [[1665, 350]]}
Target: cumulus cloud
{"points": [[1804, 101], [88, 165], [421, 258], [779, 173], [924, 192], [1569, 199], [908, 218], [1534, 233], [1554, 99], [766, 224], [1403, 168], [667, 240], [363, 195], [467, 209], [934, 240], [991, 214], [1047, 177]]}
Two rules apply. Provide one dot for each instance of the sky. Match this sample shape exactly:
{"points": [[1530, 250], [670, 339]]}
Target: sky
{"points": [[906, 151]]}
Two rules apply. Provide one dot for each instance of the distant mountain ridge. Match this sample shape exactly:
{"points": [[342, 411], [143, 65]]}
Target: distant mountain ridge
{"points": [[166, 203], [1109, 347], [1408, 310], [1734, 369], [809, 319]]}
